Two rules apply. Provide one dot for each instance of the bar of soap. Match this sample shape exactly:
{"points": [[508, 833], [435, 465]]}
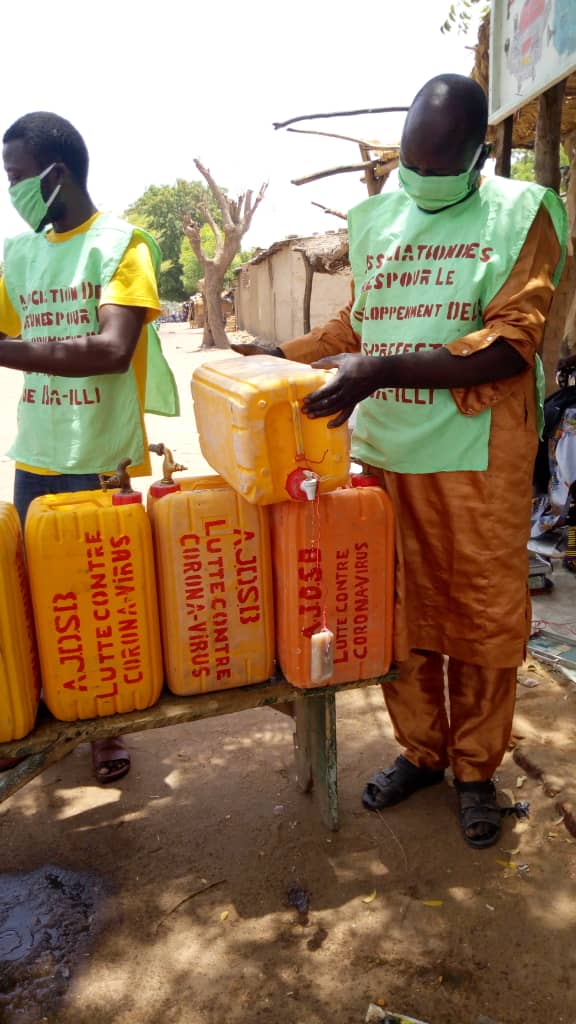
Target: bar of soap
{"points": [[321, 656]]}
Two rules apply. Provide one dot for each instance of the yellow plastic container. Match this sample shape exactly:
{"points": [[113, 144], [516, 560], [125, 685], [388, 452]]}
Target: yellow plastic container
{"points": [[253, 432], [19, 669], [91, 566], [168, 484], [214, 579]]}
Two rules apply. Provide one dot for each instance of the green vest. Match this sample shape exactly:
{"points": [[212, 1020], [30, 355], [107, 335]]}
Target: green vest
{"points": [[423, 280], [79, 424]]}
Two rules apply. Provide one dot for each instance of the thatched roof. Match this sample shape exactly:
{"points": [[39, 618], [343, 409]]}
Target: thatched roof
{"points": [[524, 124], [327, 254]]}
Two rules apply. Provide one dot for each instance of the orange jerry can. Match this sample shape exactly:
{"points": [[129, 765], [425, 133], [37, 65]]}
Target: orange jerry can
{"points": [[253, 433], [334, 586], [19, 669], [92, 577], [214, 579]]}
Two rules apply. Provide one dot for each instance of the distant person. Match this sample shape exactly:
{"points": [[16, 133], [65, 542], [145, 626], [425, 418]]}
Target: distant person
{"points": [[453, 279], [78, 290]]}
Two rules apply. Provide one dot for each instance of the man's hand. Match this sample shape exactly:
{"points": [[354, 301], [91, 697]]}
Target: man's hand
{"points": [[357, 378], [257, 350]]}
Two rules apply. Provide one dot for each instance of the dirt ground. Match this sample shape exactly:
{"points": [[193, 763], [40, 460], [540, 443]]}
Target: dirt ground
{"points": [[401, 912]]}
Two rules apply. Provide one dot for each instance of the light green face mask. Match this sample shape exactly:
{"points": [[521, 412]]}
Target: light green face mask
{"points": [[437, 191], [28, 201]]}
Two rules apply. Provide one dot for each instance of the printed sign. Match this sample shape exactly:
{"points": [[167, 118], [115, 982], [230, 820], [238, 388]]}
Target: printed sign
{"points": [[532, 46]]}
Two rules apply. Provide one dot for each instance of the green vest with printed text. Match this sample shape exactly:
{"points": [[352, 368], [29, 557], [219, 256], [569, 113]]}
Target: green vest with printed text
{"points": [[421, 281], [79, 424]]}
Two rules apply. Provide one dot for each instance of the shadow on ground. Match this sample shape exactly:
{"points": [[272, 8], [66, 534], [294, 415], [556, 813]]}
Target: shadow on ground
{"points": [[197, 849]]}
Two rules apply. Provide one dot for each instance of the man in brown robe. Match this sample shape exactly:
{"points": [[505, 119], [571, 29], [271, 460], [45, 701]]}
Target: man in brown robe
{"points": [[461, 536]]}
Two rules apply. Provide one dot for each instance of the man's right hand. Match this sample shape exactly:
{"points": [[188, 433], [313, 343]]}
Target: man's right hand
{"points": [[257, 350]]}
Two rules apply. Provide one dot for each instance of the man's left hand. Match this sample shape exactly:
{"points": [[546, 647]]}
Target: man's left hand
{"points": [[357, 377]]}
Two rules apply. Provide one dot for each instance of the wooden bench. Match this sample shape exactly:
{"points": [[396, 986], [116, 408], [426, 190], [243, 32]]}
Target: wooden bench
{"points": [[313, 711]]}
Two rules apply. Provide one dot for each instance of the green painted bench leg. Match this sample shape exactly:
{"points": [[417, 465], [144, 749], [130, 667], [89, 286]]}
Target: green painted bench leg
{"points": [[316, 753]]}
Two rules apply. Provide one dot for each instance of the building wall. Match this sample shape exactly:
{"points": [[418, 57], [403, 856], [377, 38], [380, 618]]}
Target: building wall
{"points": [[269, 296]]}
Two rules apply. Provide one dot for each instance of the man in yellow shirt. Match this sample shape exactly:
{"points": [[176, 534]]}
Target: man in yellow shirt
{"points": [[60, 449]]}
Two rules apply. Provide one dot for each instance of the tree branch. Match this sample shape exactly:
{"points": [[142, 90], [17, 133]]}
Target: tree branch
{"points": [[333, 170], [192, 232], [217, 192], [215, 228], [335, 213], [346, 138], [341, 113], [251, 206]]}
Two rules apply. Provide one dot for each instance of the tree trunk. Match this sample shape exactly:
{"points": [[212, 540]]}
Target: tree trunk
{"points": [[547, 142], [207, 339], [236, 219], [214, 281]]}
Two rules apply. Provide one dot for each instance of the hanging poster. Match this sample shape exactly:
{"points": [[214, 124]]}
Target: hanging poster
{"points": [[532, 46]]}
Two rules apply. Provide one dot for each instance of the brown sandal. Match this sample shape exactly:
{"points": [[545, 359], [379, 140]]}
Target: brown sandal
{"points": [[110, 760]]}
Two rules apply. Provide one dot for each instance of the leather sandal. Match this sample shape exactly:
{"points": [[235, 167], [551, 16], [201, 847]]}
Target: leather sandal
{"points": [[478, 806], [398, 782], [110, 760]]}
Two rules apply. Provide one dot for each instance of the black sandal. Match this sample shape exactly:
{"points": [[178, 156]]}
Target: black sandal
{"points": [[396, 783], [478, 805]]}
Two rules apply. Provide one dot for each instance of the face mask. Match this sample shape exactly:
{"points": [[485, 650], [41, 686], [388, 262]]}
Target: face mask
{"points": [[434, 192], [28, 201]]}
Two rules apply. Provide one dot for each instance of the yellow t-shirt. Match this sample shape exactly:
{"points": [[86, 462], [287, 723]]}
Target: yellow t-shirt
{"points": [[133, 284]]}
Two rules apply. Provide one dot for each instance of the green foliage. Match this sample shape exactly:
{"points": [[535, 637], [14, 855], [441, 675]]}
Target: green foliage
{"points": [[522, 168], [161, 210], [523, 164], [460, 15]]}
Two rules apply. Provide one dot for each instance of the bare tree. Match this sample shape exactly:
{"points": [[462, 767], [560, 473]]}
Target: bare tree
{"points": [[236, 219]]}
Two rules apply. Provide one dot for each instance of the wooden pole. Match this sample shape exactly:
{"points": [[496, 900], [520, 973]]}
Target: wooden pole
{"points": [[504, 147], [307, 299], [547, 141]]}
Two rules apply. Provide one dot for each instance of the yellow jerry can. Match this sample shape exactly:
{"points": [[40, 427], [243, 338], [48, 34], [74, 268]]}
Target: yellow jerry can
{"points": [[253, 433], [19, 669], [92, 577]]}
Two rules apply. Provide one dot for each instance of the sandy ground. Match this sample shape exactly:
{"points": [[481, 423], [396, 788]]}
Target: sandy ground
{"points": [[401, 910]]}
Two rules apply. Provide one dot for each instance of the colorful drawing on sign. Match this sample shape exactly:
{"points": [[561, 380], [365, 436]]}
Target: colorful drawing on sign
{"points": [[564, 28], [524, 47]]}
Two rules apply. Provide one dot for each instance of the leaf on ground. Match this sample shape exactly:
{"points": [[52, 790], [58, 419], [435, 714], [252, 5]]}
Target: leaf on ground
{"points": [[432, 903], [370, 898]]}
